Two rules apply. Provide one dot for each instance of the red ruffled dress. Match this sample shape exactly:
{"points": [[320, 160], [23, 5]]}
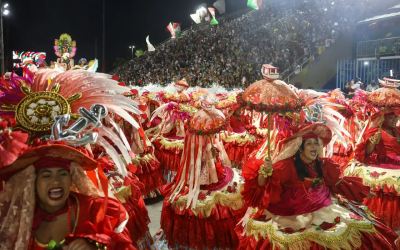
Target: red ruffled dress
{"points": [[342, 155], [211, 224], [151, 128], [239, 144], [150, 172], [381, 171], [169, 149], [85, 213], [295, 214], [129, 193]]}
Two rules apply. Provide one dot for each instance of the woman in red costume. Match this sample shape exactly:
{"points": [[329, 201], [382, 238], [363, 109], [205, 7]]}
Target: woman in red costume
{"points": [[152, 128], [129, 192], [239, 144], [294, 204], [378, 154], [58, 205], [379, 150], [203, 204], [168, 141]]}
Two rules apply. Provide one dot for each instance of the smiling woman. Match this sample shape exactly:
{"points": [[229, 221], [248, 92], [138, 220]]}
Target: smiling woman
{"points": [[299, 201]]}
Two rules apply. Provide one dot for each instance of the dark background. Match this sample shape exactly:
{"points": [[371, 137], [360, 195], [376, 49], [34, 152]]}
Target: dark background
{"points": [[33, 25]]}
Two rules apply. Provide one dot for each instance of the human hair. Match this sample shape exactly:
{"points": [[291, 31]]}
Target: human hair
{"points": [[301, 169]]}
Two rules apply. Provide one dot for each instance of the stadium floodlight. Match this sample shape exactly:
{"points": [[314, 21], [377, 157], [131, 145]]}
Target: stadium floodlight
{"points": [[132, 47], [365, 63], [5, 5]]}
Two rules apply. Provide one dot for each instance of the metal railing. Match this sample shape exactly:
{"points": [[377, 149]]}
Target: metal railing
{"points": [[382, 47]]}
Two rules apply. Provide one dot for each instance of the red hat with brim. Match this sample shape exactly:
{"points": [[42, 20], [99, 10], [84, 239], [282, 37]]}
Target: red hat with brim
{"points": [[182, 83], [31, 156], [320, 130]]}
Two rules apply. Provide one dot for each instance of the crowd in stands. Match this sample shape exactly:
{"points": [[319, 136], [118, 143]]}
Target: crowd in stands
{"points": [[232, 52]]}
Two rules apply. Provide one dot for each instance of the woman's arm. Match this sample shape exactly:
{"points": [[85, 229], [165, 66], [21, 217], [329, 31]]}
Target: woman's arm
{"points": [[369, 149]]}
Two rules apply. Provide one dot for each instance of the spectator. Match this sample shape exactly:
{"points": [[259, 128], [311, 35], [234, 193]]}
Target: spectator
{"points": [[279, 34], [355, 86], [362, 85], [372, 86]]}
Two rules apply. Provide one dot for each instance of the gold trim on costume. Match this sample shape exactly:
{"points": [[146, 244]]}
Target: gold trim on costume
{"points": [[123, 193], [232, 200], [350, 239], [361, 170], [238, 138], [146, 158], [42, 110], [175, 144]]}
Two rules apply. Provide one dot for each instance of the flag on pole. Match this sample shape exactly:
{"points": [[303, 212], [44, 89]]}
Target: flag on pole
{"points": [[175, 29], [150, 46], [207, 18], [220, 6], [213, 20], [196, 18], [170, 27], [255, 4]]}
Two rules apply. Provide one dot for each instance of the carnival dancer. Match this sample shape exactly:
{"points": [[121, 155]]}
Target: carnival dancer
{"points": [[45, 95], [168, 141], [180, 96], [377, 156], [129, 192], [238, 142], [333, 110], [203, 204], [82, 63], [58, 205], [64, 63], [295, 209], [147, 167]]}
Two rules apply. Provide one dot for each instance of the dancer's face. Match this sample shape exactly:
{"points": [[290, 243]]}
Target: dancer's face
{"points": [[309, 151], [53, 188], [237, 112], [391, 121]]}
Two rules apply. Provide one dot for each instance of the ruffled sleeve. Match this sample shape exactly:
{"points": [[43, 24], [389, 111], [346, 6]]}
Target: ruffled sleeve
{"points": [[262, 196], [360, 154], [110, 232], [350, 187]]}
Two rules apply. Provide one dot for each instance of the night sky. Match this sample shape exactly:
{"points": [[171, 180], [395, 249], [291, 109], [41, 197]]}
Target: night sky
{"points": [[34, 25]]}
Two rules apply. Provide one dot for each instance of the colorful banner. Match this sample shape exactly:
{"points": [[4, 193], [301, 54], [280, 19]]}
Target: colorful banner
{"points": [[150, 46], [29, 58], [255, 4], [220, 6], [213, 20]]}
